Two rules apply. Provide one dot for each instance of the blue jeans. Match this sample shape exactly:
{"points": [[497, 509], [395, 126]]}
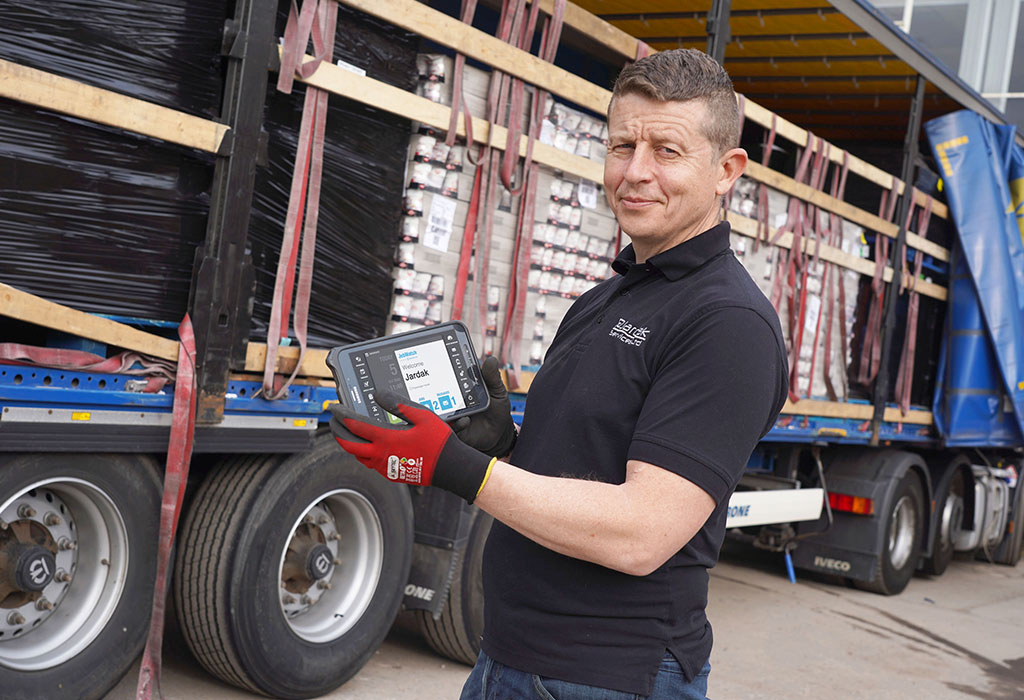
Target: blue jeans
{"points": [[491, 680]]}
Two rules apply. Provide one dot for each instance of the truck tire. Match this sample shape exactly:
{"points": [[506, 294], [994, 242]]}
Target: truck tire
{"points": [[950, 504], [902, 530], [290, 570], [456, 634], [77, 568], [1008, 551]]}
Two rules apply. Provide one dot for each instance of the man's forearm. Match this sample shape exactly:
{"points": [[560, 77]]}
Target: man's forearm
{"points": [[632, 527]]}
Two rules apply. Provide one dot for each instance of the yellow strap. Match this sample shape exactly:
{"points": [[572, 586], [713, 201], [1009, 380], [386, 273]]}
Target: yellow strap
{"points": [[487, 475]]}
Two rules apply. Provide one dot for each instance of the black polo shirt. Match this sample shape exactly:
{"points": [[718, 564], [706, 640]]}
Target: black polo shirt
{"points": [[678, 362]]}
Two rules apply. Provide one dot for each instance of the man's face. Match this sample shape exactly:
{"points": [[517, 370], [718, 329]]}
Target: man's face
{"points": [[663, 177]]}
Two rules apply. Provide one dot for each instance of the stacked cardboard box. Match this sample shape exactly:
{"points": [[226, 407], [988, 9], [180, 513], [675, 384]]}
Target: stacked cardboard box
{"points": [[574, 233]]}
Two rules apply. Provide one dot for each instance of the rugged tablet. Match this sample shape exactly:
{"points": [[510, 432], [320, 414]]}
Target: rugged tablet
{"points": [[434, 366]]}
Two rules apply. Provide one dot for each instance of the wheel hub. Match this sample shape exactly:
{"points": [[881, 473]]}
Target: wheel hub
{"points": [[38, 549], [34, 567], [309, 561]]}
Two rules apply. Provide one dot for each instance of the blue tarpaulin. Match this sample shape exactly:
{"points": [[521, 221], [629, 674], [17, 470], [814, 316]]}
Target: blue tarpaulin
{"points": [[983, 374]]}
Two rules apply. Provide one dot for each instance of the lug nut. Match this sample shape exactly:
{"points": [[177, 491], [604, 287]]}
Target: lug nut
{"points": [[16, 618], [308, 520], [337, 562], [323, 520], [336, 537], [324, 585], [306, 600], [52, 519], [62, 576], [44, 604], [289, 600], [26, 511], [3, 524], [65, 544]]}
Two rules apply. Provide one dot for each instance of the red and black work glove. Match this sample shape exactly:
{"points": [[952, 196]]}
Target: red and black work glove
{"points": [[425, 452], [492, 431]]}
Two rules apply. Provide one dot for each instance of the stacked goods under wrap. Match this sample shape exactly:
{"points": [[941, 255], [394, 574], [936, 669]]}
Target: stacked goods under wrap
{"points": [[573, 232], [109, 222], [360, 200], [96, 218]]}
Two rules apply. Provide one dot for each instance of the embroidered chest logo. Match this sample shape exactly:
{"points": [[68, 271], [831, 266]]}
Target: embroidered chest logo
{"points": [[628, 333]]}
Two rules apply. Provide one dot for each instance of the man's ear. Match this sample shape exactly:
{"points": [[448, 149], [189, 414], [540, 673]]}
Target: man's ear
{"points": [[732, 163]]}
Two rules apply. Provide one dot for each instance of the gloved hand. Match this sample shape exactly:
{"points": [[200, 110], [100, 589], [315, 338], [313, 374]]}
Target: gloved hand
{"points": [[492, 431], [424, 453]]}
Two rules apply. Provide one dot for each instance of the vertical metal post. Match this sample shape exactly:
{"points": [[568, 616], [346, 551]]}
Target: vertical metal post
{"points": [[718, 29], [222, 279], [910, 151]]}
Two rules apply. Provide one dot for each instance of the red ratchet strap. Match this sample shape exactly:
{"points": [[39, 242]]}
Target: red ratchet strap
{"points": [[305, 191], [905, 377], [835, 239], [523, 41], [794, 220], [489, 164], [458, 96], [799, 259], [871, 351], [515, 314], [156, 372], [763, 210], [817, 182], [466, 253], [179, 454]]}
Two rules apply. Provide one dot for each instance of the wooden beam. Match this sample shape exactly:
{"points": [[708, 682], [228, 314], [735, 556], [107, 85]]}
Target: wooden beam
{"points": [[613, 38], [53, 92], [448, 31], [748, 227], [33, 309], [314, 362], [405, 104], [837, 206], [856, 411]]}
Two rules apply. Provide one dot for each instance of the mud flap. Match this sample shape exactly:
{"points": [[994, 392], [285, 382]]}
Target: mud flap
{"points": [[441, 525]]}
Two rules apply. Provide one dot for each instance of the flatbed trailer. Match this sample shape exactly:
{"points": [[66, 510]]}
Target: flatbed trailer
{"points": [[292, 560]]}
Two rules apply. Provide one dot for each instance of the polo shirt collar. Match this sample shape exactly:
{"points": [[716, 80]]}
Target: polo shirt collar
{"points": [[682, 259]]}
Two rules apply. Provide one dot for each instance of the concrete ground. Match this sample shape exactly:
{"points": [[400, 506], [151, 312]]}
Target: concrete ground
{"points": [[957, 636]]}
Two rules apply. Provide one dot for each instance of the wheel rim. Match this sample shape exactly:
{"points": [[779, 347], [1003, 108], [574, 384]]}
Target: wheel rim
{"points": [[901, 532], [86, 535], [322, 600], [952, 519]]}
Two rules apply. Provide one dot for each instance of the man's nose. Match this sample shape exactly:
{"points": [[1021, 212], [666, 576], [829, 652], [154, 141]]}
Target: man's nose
{"points": [[640, 164]]}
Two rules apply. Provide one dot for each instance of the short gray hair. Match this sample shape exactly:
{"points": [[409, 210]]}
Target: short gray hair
{"points": [[681, 75]]}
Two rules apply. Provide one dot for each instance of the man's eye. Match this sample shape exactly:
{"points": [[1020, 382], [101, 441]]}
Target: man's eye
{"points": [[668, 151], [623, 147]]}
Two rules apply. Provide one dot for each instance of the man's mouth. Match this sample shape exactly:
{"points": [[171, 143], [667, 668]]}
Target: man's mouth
{"points": [[634, 202]]}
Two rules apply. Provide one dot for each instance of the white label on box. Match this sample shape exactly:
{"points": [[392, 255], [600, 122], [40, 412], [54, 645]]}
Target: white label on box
{"points": [[349, 67], [439, 223], [588, 194]]}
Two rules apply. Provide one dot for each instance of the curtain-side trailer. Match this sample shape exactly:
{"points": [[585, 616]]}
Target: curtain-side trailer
{"points": [[170, 161]]}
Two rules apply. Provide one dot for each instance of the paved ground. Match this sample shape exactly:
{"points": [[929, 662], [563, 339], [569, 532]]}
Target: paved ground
{"points": [[957, 636]]}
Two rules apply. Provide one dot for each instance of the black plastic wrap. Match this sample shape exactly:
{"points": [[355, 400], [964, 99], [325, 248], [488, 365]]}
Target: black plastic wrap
{"points": [[91, 216], [360, 202], [109, 222]]}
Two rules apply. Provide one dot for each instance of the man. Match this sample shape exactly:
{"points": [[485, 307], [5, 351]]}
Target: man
{"points": [[655, 390]]}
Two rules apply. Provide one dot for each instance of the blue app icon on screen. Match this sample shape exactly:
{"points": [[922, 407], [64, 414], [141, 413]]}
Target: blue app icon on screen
{"points": [[446, 402]]}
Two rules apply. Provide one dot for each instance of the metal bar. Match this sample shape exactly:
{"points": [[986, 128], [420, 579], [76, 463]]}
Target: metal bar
{"points": [[697, 15], [222, 278], [754, 38], [910, 150], [718, 29], [867, 17]]}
